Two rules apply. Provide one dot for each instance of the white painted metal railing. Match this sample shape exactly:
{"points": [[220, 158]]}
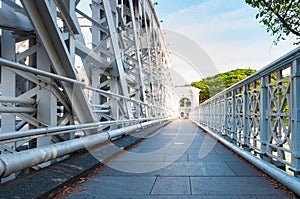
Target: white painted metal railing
{"points": [[260, 117]]}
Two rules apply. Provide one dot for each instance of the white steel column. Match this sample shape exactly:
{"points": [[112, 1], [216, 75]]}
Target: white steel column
{"points": [[46, 101]]}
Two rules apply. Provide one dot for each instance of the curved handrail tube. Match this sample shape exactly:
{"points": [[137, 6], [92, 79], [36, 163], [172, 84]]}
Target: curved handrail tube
{"points": [[10, 163]]}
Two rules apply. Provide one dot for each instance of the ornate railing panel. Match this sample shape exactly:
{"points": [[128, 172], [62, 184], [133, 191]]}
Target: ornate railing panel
{"points": [[261, 114]]}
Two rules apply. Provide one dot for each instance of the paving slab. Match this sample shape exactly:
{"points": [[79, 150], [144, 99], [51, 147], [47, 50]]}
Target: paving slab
{"points": [[178, 172], [212, 158], [171, 185], [236, 185], [241, 168], [224, 196], [119, 185]]}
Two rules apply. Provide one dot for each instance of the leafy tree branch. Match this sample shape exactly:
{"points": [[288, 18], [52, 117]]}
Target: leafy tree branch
{"points": [[281, 17]]}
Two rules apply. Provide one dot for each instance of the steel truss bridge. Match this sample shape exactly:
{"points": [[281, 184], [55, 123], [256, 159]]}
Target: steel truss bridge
{"points": [[99, 69], [71, 67]]}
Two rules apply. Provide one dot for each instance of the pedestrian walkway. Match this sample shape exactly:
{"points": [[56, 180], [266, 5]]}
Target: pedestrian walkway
{"points": [[179, 161]]}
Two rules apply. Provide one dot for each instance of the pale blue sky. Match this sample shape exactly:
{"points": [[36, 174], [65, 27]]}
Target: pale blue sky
{"points": [[226, 30]]}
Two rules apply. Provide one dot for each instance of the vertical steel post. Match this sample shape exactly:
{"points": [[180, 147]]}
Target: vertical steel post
{"points": [[46, 101], [199, 111], [114, 103], [117, 52], [296, 117], [141, 91], [209, 115], [96, 37], [206, 114], [245, 116], [233, 129], [221, 113], [225, 115], [263, 117], [8, 88], [8, 80], [215, 122], [217, 115], [70, 5], [149, 56]]}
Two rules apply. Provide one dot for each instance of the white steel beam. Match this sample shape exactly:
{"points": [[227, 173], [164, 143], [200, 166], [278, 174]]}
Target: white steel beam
{"points": [[40, 14]]}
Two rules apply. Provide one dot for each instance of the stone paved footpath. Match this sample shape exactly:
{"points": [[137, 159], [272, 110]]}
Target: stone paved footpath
{"points": [[178, 161]]}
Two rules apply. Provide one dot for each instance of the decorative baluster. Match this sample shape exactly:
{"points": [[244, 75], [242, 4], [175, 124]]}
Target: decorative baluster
{"points": [[233, 121], [296, 118], [245, 117], [263, 118], [225, 115]]}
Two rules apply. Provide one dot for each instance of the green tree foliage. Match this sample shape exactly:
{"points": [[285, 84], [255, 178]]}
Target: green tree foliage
{"points": [[281, 17], [210, 86]]}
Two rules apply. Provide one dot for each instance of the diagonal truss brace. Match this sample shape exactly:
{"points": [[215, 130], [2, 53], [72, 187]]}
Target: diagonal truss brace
{"points": [[39, 13]]}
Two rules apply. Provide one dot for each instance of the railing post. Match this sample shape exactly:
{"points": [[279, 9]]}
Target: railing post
{"points": [[214, 118], [245, 117], [296, 117], [263, 118], [209, 115], [234, 135], [220, 116], [225, 115], [198, 112], [205, 115]]}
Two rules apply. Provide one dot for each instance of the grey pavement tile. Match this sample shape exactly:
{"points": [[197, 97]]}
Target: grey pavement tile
{"points": [[115, 196], [161, 139], [107, 171], [272, 196], [194, 148], [223, 197], [196, 144], [126, 173], [196, 151], [212, 157], [85, 195], [171, 185], [127, 185], [173, 170], [232, 185], [222, 150], [144, 167], [241, 168], [142, 157], [209, 169], [168, 196], [112, 196], [155, 143], [176, 157], [135, 150], [199, 138], [193, 169], [135, 169], [150, 149]]}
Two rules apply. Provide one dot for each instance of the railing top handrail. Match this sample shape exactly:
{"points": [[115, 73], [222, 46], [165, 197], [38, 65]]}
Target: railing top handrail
{"points": [[279, 63]]}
